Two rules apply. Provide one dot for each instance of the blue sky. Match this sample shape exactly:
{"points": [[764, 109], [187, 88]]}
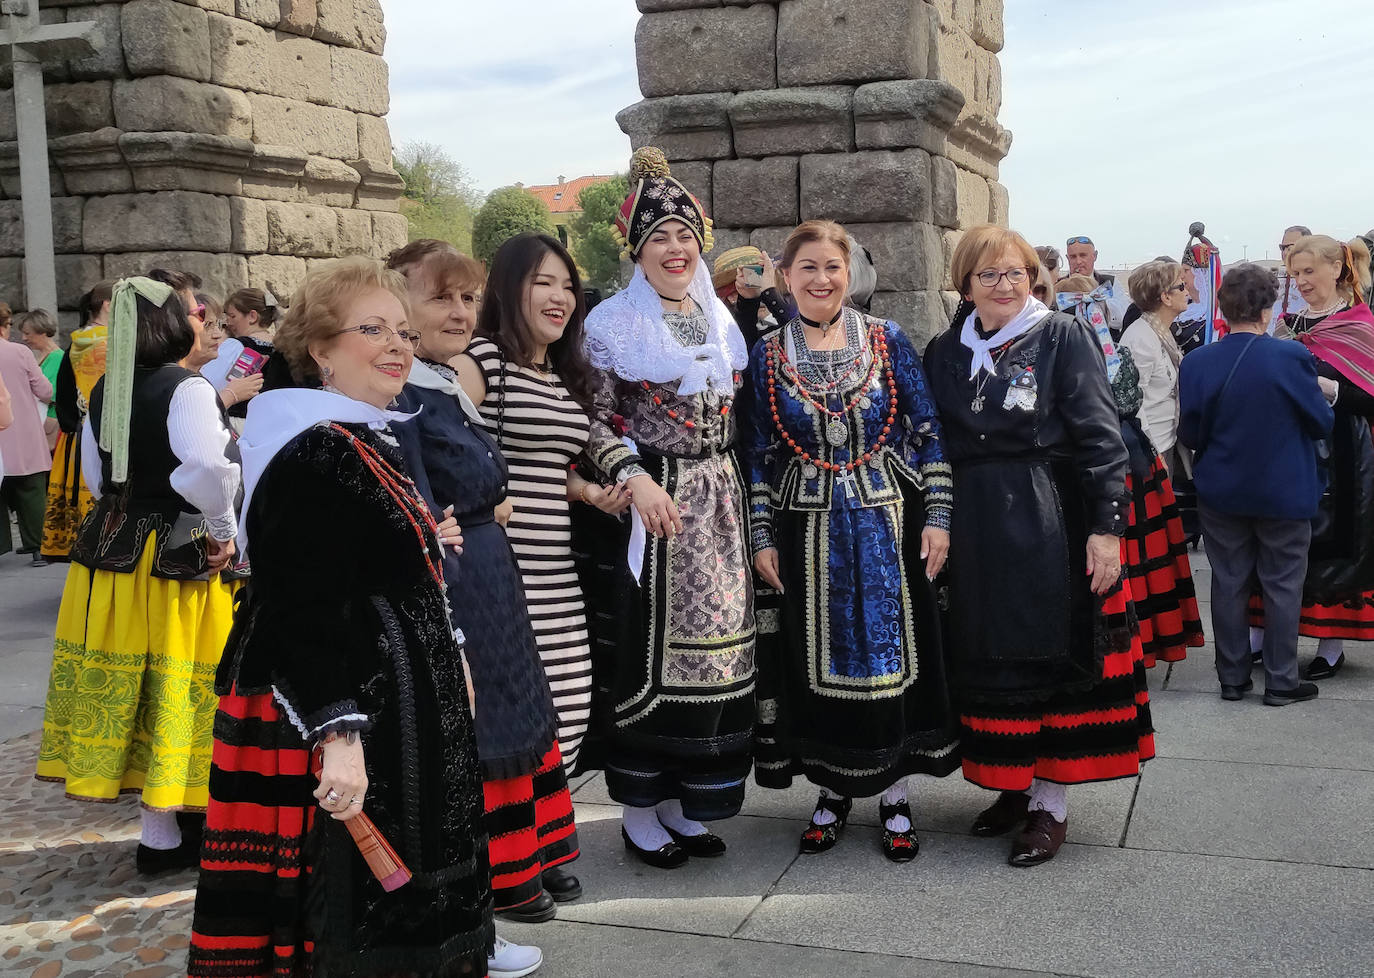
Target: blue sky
{"points": [[1131, 119]]}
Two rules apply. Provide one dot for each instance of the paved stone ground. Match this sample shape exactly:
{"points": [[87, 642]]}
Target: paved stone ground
{"points": [[1243, 850]]}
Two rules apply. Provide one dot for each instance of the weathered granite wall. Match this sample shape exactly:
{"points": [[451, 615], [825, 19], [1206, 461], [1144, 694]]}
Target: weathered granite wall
{"points": [[880, 114], [237, 139]]}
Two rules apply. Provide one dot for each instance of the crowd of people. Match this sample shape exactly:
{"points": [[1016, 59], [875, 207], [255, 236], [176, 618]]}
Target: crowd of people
{"points": [[357, 584]]}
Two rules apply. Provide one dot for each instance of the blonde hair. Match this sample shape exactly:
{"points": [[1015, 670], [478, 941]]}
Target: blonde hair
{"points": [[318, 306], [810, 232], [1353, 257], [1150, 281], [987, 242], [1076, 283]]}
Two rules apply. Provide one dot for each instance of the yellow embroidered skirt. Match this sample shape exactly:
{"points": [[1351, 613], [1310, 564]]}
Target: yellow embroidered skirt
{"points": [[131, 700], [68, 499]]}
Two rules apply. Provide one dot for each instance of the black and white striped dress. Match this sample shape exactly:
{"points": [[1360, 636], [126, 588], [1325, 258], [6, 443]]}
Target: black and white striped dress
{"points": [[542, 432]]}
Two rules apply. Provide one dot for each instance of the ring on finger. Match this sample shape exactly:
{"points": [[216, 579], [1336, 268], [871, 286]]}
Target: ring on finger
{"points": [[332, 796]]}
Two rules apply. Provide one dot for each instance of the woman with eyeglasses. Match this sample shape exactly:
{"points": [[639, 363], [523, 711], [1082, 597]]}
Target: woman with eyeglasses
{"points": [[342, 688], [1042, 652]]}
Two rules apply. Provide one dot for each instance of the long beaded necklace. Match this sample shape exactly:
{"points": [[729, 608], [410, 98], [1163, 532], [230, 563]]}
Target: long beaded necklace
{"points": [[775, 361], [688, 423], [402, 492]]}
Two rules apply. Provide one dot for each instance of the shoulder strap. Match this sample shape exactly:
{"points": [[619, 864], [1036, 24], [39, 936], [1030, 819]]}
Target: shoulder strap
{"points": [[1205, 428]]}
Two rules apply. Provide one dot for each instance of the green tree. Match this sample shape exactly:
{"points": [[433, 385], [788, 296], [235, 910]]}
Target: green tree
{"points": [[440, 200], [596, 251], [506, 213]]}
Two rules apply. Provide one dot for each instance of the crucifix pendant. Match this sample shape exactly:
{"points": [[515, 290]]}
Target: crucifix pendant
{"points": [[846, 478], [977, 404]]}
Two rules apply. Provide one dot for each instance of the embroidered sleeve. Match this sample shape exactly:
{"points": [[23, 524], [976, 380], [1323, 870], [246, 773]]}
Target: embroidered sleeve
{"points": [[923, 450], [1084, 401], [605, 450], [759, 444]]}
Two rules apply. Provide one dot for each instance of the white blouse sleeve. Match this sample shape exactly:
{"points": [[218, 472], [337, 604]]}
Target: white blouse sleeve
{"points": [[90, 458], [205, 478]]}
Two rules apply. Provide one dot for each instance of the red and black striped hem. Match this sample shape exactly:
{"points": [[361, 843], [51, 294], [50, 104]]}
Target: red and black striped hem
{"points": [[529, 820], [1159, 571], [1352, 620]]}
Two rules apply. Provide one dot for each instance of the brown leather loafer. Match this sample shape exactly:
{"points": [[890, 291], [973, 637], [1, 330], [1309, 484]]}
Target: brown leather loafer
{"points": [[1039, 841], [1003, 815]]}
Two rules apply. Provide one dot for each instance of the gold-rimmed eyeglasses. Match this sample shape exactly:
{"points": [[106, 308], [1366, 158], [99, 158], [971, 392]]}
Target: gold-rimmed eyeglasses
{"points": [[377, 334]]}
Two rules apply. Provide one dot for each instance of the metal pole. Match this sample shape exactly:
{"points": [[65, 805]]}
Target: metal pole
{"points": [[40, 275]]}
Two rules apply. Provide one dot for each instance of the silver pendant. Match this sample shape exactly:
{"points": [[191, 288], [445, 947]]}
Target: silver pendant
{"points": [[808, 407], [836, 432], [977, 404], [809, 471], [865, 403]]}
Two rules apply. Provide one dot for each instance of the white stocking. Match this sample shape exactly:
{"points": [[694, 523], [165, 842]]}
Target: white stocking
{"points": [[644, 829], [159, 830], [1047, 796], [1256, 639], [670, 815], [824, 816], [1330, 649], [895, 796]]}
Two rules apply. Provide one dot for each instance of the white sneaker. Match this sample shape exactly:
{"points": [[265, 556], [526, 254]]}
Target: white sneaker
{"points": [[513, 960]]}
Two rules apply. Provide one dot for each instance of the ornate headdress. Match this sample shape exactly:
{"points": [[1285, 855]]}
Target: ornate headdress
{"points": [[656, 197]]}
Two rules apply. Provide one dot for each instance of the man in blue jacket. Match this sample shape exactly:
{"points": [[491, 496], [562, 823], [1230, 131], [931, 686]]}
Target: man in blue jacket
{"points": [[1253, 414]]}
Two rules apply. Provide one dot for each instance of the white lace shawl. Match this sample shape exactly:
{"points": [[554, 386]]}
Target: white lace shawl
{"points": [[627, 336]]}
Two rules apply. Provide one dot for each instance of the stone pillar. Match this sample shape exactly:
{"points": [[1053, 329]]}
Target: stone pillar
{"points": [[242, 140], [880, 114]]}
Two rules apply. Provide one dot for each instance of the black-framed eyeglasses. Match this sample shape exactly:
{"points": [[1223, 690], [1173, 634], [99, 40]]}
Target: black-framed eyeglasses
{"points": [[376, 334], [989, 278], [1080, 239], [1285, 247], [1179, 287]]}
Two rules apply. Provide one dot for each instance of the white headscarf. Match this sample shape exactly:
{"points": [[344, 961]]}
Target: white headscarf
{"points": [[627, 336], [1031, 313]]}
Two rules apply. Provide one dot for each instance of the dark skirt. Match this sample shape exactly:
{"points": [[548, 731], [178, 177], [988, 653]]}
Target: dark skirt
{"points": [[274, 878], [529, 820], [1100, 733], [1160, 574], [1352, 620], [852, 689]]}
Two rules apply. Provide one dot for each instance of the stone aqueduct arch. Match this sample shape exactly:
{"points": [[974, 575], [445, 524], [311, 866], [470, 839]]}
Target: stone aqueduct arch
{"points": [[245, 139]]}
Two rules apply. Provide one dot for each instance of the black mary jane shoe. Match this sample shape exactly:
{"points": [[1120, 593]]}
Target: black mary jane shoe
{"points": [[562, 886], [156, 862], [1006, 813], [706, 845], [900, 847], [670, 856], [1319, 668], [535, 911], [822, 838], [1233, 693]]}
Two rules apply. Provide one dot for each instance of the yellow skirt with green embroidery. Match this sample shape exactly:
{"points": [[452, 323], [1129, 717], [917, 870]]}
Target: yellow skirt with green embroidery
{"points": [[131, 699]]}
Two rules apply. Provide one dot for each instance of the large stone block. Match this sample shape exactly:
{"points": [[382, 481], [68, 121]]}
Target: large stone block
{"points": [[316, 129], [685, 127], [754, 193], [771, 239], [305, 230], [11, 228], [12, 283], [793, 120], [389, 232], [220, 274], [264, 12], [297, 17], [695, 175], [78, 107], [108, 59], [247, 225], [897, 114], [240, 53], [359, 81], [827, 42], [301, 69], [728, 238], [66, 223], [374, 138], [7, 126], [957, 13], [164, 37], [54, 70], [707, 50], [186, 161], [944, 186], [353, 23], [979, 144], [9, 172], [275, 173], [92, 162], [279, 274], [907, 255], [176, 220], [999, 205], [988, 31], [75, 275], [355, 233], [370, 26], [165, 103], [920, 314], [975, 199], [380, 188], [327, 181], [876, 186]]}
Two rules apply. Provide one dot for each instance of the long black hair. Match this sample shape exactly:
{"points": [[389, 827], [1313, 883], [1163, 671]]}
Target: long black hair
{"points": [[502, 319]]}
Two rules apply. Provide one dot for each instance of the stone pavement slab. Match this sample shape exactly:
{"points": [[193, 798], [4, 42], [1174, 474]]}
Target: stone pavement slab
{"points": [[1260, 811], [1355, 681], [1092, 911]]}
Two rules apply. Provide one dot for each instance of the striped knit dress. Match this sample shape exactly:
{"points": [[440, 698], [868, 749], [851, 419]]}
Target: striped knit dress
{"points": [[543, 430]]}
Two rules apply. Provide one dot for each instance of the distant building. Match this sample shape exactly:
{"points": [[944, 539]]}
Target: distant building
{"points": [[561, 199]]}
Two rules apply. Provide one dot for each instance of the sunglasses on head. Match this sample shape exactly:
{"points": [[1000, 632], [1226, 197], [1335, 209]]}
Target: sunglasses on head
{"points": [[199, 311], [1081, 239]]}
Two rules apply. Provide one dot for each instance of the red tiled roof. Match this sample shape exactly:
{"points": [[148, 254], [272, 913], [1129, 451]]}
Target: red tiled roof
{"points": [[561, 198]]}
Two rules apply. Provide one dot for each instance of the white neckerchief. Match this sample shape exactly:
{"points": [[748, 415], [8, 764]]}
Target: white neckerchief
{"points": [[424, 376], [275, 417], [1031, 313]]}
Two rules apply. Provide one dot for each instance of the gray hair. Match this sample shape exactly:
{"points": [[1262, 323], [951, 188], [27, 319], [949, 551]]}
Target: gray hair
{"points": [[863, 277]]}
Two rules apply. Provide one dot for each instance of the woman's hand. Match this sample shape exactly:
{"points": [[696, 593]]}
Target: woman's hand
{"points": [[503, 511], [1329, 389], [467, 678], [219, 554], [766, 566], [450, 534], [343, 778], [613, 499], [241, 389], [934, 550], [656, 507], [1104, 561]]}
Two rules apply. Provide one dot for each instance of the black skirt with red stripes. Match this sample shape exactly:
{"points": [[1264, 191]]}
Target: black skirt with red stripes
{"points": [[1099, 733], [529, 820], [1158, 569], [1352, 620]]}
